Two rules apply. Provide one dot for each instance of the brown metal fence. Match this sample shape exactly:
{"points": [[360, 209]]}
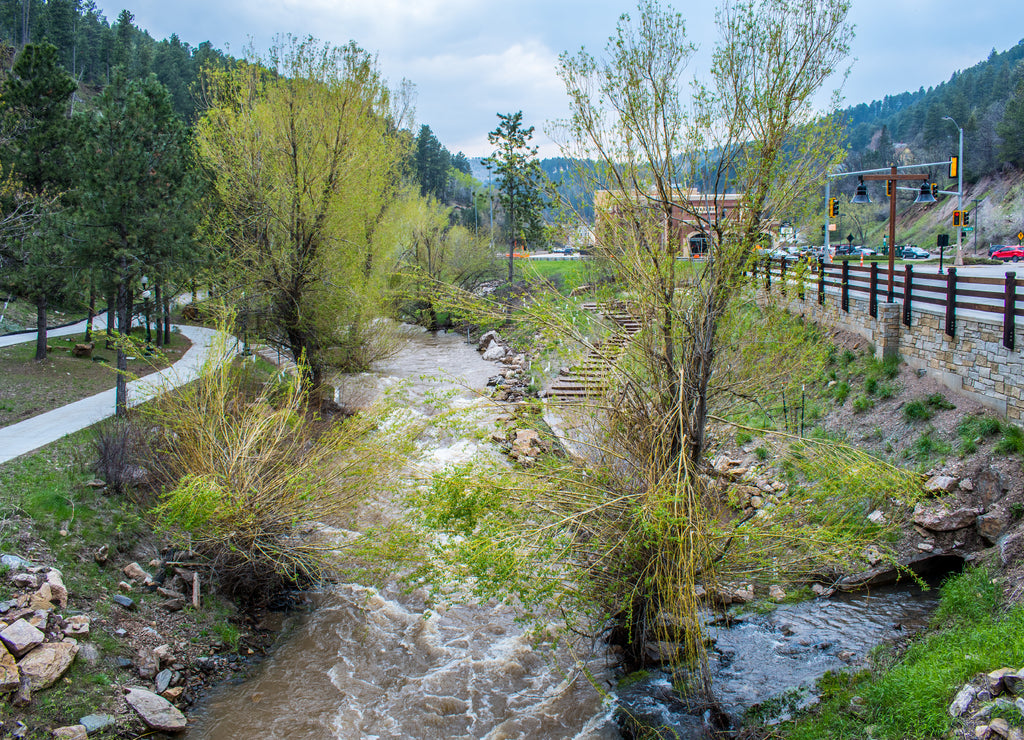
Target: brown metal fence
{"points": [[949, 292]]}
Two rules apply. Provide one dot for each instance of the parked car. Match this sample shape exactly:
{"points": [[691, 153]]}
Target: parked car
{"points": [[844, 249], [863, 252], [1009, 254], [995, 248], [915, 253], [780, 254]]}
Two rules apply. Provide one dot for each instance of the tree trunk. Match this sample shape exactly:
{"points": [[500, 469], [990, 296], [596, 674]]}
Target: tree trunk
{"points": [[92, 312], [124, 327], [111, 318], [41, 328], [159, 317], [167, 319]]}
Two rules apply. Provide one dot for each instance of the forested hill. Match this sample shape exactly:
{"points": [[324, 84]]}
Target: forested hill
{"points": [[987, 100], [90, 47]]}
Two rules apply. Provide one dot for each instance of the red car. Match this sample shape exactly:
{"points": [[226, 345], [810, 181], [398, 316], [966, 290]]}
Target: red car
{"points": [[1009, 254]]}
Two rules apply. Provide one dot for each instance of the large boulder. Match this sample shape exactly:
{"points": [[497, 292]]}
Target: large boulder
{"points": [[940, 519], [21, 637], [155, 711], [992, 525], [58, 591], [487, 339], [8, 671], [526, 444], [48, 662], [495, 352]]}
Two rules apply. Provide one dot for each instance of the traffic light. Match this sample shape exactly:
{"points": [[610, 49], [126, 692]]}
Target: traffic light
{"points": [[833, 208], [888, 188], [954, 166], [957, 218], [967, 218], [935, 189]]}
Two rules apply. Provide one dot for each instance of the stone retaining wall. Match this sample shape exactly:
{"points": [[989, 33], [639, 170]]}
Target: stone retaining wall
{"points": [[973, 362]]}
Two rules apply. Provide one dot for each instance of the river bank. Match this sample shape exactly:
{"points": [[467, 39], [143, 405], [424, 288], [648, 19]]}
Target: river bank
{"points": [[486, 658]]}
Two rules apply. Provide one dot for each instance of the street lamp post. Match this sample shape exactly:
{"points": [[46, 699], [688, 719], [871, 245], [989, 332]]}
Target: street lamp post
{"points": [[959, 192], [145, 297]]}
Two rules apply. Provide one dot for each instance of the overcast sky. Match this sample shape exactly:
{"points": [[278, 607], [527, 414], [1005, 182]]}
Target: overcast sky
{"points": [[471, 59]]}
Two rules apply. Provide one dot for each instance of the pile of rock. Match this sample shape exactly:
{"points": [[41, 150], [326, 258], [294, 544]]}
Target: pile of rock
{"points": [[522, 445], [182, 587], [512, 382], [37, 643], [978, 700]]}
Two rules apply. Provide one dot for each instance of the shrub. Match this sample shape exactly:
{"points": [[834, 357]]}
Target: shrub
{"points": [[862, 404], [974, 429], [249, 473], [1012, 441], [940, 402], [917, 410], [871, 386], [743, 438], [122, 453], [840, 392], [762, 453]]}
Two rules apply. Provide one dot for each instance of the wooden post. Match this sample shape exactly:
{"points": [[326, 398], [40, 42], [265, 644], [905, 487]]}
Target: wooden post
{"points": [[768, 274], [782, 275], [845, 298], [1009, 310], [951, 301], [908, 280], [873, 291]]}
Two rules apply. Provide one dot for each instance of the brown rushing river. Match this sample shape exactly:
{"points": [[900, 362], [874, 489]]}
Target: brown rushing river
{"points": [[380, 664], [368, 663]]}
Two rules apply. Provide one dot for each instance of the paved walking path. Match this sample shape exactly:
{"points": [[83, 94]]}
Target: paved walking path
{"points": [[31, 434], [98, 323]]}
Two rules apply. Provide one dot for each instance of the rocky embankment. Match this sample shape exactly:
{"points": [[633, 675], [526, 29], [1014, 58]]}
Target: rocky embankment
{"points": [[43, 632]]}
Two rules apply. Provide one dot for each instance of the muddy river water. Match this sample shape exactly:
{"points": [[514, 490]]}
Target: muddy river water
{"points": [[381, 663]]}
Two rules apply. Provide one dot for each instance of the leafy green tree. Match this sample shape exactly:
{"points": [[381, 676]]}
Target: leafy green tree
{"points": [[133, 187], [434, 251], [35, 101], [305, 161], [519, 182]]}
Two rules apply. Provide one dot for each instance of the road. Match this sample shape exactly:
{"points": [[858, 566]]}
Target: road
{"points": [[31, 434]]}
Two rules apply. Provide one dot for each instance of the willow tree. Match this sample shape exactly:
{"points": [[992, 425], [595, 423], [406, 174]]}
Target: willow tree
{"points": [[434, 250], [646, 525], [305, 157]]}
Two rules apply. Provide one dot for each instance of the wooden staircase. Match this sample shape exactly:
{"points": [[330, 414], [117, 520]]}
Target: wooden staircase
{"points": [[589, 378]]}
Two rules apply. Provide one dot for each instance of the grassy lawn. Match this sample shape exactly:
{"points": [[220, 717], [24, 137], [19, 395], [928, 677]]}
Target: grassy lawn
{"points": [[30, 388]]}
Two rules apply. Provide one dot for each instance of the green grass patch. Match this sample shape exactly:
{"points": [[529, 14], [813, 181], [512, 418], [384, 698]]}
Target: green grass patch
{"points": [[840, 392], [923, 409], [862, 404], [927, 446], [1012, 441], [973, 430], [907, 694]]}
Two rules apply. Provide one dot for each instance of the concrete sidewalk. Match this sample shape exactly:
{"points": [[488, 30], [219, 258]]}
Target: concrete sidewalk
{"points": [[77, 328], [31, 434]]}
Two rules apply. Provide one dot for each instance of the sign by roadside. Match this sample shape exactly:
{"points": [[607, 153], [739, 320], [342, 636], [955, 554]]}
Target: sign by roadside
{"points": [[1020, 236]]}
